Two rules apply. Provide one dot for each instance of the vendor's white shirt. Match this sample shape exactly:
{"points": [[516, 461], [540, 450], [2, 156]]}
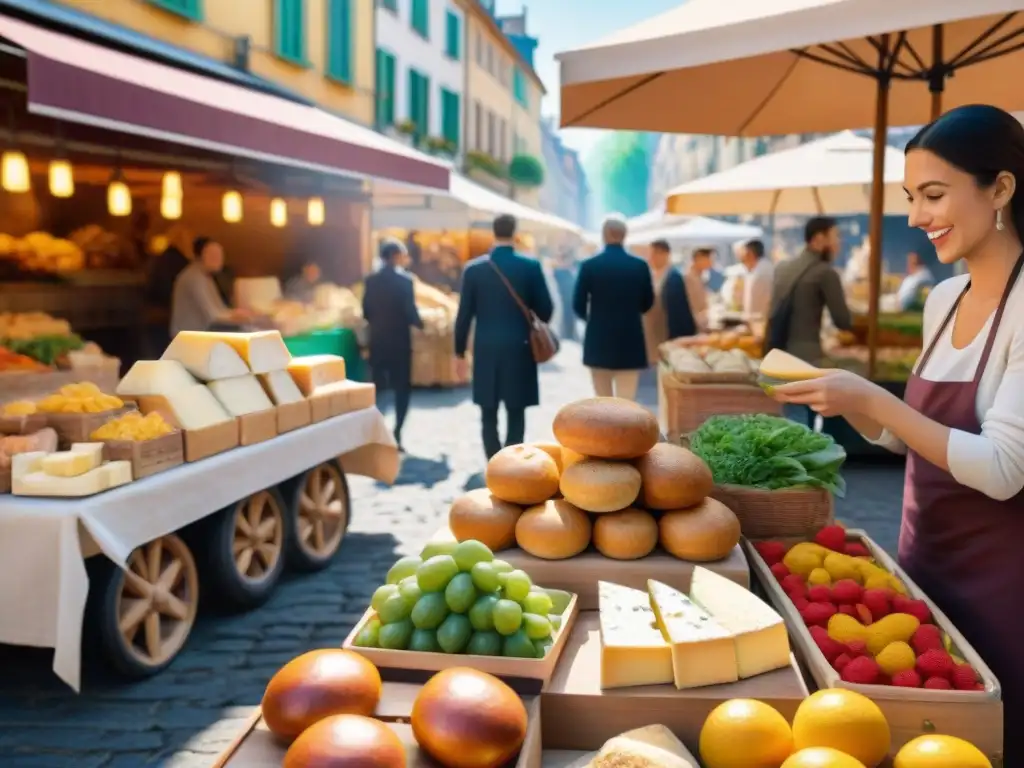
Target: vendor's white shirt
{"points": [[757, 289], [992, 462]]}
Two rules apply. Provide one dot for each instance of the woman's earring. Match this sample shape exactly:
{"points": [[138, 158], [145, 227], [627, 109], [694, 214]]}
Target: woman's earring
{"points": [[999, 220]]}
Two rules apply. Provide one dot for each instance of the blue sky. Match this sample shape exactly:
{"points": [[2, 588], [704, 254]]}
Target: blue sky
{"points": [[563, 24]]}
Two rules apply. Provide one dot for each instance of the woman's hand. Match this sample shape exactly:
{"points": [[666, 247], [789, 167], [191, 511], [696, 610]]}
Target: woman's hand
{"points": [[837, 393]]}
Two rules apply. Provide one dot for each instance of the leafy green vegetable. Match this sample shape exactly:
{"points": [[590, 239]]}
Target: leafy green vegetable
{"points": [[45, 349], [761, 451]]}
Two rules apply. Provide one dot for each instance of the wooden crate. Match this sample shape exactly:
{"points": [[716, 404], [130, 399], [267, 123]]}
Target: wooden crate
{"points": [[539, 671], [293, 416], [683, 407], [22, 425], [148, 456], [209, 441], [31, 385], [78, 427], [786, 513], [5, 478], [976, 716], [257, 427]]}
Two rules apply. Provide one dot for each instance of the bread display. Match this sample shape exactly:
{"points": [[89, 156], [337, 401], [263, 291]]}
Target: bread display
{"points": [[554, 530], [706, 532], [673, 477], [606, 428], [596, 485], [522, 474], [483, 516], [626, 535]]}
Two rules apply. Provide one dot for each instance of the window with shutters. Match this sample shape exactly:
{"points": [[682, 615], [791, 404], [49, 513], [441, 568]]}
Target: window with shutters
{"points": [[290, 30], [451, 116], [190, 9], [519, 88], [453, 36], [420, 18], [419, 102], [339, 40], [385, 111]]}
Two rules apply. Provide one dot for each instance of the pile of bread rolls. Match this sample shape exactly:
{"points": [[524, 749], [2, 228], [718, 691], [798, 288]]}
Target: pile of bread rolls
{"points": [[606, 482]]}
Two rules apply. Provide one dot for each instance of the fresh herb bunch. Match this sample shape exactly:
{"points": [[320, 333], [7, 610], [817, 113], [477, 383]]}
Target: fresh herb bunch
{"points": [[760, 451], [46, 349]]}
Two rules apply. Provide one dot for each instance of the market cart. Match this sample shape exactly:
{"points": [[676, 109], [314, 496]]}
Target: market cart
{"points": [[226, 526]]}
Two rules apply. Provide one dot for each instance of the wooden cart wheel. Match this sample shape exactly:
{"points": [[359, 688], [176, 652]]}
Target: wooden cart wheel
{"points": [[319, 516], [149, 608], [242, 553]]}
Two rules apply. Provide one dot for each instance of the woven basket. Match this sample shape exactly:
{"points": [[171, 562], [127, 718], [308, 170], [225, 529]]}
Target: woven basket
{"points": [[683, 407], [795, 512]]}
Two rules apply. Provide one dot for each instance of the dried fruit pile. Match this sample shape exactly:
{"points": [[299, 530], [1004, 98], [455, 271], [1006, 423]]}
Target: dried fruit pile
{"points": [[862, 618]]}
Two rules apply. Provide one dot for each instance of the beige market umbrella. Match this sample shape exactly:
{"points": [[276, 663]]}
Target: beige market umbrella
{"points": [[827, 176], [762, 67]]}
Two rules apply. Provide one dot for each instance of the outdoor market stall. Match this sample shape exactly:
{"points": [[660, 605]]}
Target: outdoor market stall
{"points": [[597, 597], [225, 452]]}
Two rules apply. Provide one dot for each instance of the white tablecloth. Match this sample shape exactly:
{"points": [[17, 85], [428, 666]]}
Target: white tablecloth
{"points": [[43, 582]]}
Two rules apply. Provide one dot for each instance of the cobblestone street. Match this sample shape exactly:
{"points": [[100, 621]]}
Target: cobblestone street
{"points": [[184, 717]]}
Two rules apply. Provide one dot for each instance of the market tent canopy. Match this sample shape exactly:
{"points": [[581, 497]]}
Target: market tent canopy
{"points": [[830, 175], [70, 79], [656, 217], [697, 231], [765, 67]]}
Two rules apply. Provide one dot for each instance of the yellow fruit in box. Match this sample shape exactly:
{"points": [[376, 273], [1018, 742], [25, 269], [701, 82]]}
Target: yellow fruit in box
{"points": [[846, 629], [875, 581], [744, 733], [84, 397], [819, 577], [880, 577], [845, 721], [935, 751], [134, 426], [896, 657], [19, 408], [841, 567], [804, 557], [894, 628], [821, 757]]}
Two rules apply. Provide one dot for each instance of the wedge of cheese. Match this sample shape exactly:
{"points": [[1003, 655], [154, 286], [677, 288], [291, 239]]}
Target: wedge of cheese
{"points": [[281, 387], [780, 367], [703, 652], [633, 650], [192, 408], [314, 372], [653, 746], [97, 480], [205, 356], [762, 643], [155, 377], [262, 351], [71, 463], [241, 395]]}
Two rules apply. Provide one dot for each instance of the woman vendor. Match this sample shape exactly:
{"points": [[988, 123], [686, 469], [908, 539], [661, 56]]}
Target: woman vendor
{"points": [[197, 304], [961, 423]]}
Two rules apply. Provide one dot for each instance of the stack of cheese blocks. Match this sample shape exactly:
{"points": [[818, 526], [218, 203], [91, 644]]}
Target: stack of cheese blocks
{"points": [[79, 471], [719, 633]]}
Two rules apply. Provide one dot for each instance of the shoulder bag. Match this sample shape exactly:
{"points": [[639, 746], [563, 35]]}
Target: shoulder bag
{"points": [[776, 335], [543, 342]]}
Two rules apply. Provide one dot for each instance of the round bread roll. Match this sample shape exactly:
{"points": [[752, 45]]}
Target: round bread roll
{"points": [[522, 474], [483, 516], [606, 428], [673, 477], [700, 534], [596, 485], [554, 450], [626, 535], [570, 457], [346, 741], [554, 530]]}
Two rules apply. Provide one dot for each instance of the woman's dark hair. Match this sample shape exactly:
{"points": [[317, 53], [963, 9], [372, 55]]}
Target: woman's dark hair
{"points": [[983, 141], [199, 245]]}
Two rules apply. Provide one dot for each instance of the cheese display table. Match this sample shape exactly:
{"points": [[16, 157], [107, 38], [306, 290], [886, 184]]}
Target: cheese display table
{"points": [[44, 542]]}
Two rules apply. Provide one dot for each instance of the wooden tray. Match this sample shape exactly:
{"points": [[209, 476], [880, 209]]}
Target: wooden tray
{"points": [[293, 416], [5, 479], [786, 513], [209, 441], [78, 427], [672, 377], [682, 408], [257, 747], [528, 674], [257, 427], [22, 425], [148, 456], [320, 407], [976, 716]]}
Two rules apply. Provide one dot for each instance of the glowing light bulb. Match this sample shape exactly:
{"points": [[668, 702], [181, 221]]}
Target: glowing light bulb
{"points": [[119, 199], [231, 207], [171, 186], [62, 179], [170, 207], [278, 212], [14, 175], [315, 212]]}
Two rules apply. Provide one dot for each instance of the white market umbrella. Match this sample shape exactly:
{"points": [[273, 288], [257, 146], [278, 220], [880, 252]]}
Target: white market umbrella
{"points": [[827, 176], [697, 231]]}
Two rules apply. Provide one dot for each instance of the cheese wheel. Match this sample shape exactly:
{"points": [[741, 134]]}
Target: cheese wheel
{"points": [[626, 535], [522, 474], [555, 530], [673, 477], [483, 516], [596, 485], [606, 428], [700, 534]]}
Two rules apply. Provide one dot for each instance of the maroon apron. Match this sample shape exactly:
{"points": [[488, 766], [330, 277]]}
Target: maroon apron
{"points": [[963, 548]]}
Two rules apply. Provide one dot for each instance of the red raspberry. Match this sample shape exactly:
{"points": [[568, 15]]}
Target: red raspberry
{"points": [[908, 678], [964, 677], [938, 684], [935, 663]]}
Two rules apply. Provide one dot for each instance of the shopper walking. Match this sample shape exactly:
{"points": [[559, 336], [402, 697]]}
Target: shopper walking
{"points": [[670, 316], [504, 371], [613, 291], [389, 307]]}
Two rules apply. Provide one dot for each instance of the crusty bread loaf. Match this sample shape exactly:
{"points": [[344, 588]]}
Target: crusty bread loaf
{"points": [[596, 485], [700, 534], [606, 428], [555, 530], [522, 474], [673, 477]]}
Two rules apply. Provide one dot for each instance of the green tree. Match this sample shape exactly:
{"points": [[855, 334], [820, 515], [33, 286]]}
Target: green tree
{"points": [[526, 171], [619, 168]]}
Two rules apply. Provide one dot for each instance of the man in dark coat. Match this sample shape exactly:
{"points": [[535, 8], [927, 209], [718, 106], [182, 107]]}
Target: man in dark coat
{"points": [[613, 291], [389, 307], [504, 370]]}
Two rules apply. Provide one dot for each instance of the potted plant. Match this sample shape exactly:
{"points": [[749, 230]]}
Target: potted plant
{"points": [[439, 145]]}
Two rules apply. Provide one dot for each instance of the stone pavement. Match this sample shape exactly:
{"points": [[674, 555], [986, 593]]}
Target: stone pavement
{"points": [[184, 717]]}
